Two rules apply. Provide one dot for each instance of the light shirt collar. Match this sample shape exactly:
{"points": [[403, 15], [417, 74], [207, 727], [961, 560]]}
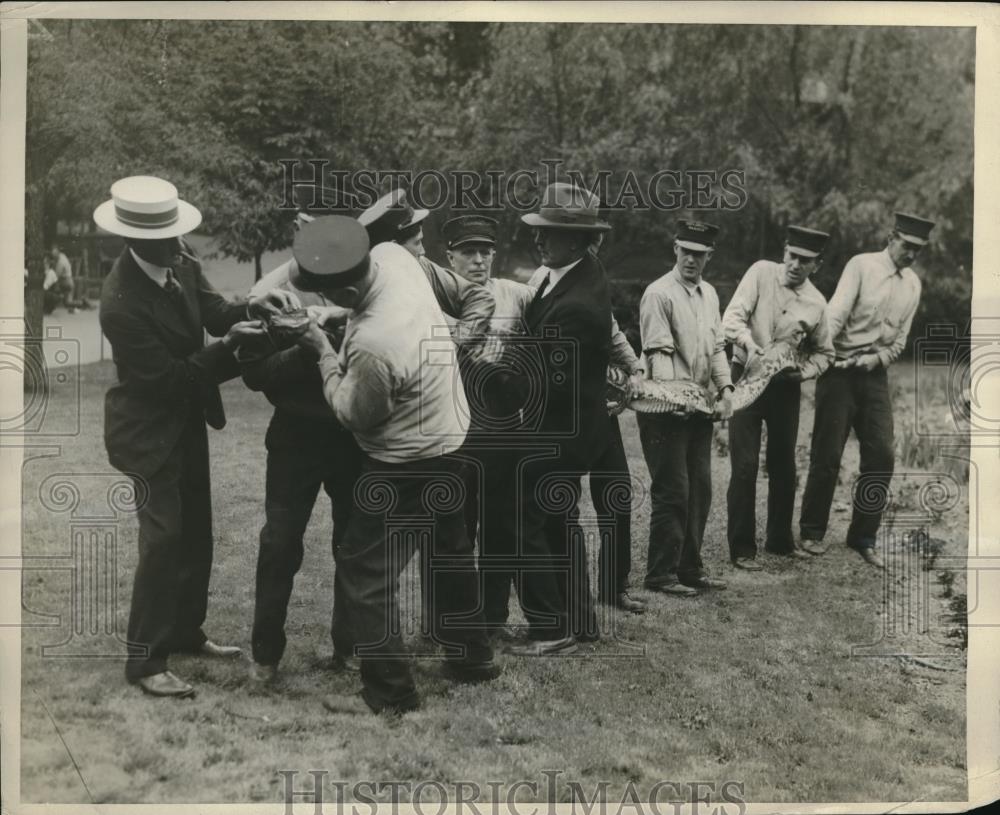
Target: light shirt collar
{"points": [[554, 275], [158, 274], [889, 264], [690, 288]]}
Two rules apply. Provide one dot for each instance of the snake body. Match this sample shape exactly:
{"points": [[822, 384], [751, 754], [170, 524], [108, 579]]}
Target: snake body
{"points": [[686, 398]]}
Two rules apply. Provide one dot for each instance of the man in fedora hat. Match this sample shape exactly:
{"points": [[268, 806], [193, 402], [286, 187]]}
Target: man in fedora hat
{"points": [[869, 318], [156, 305], [471, 247], [682, 339], [774, 302], [393, 388], [562, 400]]}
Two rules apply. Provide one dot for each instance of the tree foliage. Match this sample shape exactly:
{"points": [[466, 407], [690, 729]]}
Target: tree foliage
{"points": [[832, 126]]}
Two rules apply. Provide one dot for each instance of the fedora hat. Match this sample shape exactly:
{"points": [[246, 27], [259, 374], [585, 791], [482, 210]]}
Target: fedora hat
{"points": [[146, 207], [566, 206]]}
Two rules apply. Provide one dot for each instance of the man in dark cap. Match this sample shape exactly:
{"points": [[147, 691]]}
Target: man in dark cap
{"points": [[869, 318], [682, 340], [774, 302], [392, 386], [307, 447]]}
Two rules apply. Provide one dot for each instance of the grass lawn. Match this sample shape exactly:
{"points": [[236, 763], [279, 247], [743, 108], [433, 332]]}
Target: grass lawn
{"points": [[762, 684]]}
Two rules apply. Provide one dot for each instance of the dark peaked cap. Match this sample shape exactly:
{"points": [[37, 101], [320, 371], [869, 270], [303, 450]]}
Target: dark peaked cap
{"points": [[470, 229], [697, 236], [913, 228], [806, 242]]}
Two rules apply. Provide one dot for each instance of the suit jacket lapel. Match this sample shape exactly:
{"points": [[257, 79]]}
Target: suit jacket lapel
{"points": [[541, 306], [192, 312], [183, 319]]}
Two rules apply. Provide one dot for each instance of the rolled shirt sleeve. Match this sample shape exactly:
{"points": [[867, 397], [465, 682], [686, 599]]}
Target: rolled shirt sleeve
{"points": [[654, 323], [821, 353], [622, 355], [720, 365]]}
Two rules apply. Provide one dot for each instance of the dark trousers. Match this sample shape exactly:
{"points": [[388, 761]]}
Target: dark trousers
{"points": [[398, 508], [847, 399], [531, 536], [170, 589], [303, 455], [678, 454], [493, 511], [778, 408], [611, 492]]}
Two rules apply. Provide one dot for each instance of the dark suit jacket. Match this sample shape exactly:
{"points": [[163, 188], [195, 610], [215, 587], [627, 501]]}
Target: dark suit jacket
{"points": [[165, 371], [564, 395]]}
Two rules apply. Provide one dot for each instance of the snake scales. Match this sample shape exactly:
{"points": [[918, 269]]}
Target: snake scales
{"points": [[688, 398]]}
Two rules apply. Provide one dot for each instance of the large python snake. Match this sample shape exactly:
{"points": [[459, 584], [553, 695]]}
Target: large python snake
{"points": [[686, 398]]}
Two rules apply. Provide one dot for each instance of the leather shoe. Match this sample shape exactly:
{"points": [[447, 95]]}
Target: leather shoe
{"points": [[211, 649], [627, 603], [543, 648], [165, 684], [263, 674], [339, 663], [815, 547], [706, 582], [675, 589], [471, 672], [349, 704], [748, 564], [872, 557]]}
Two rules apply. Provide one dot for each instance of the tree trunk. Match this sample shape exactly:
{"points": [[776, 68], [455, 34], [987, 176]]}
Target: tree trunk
{"points": [[257, 270], [35, 372]]}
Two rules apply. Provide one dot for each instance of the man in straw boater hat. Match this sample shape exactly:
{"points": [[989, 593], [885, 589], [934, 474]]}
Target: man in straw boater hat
{"points": [[869, 317], [562, 400], [156, 305], [682, 339], [394, 385], [774, 302]]}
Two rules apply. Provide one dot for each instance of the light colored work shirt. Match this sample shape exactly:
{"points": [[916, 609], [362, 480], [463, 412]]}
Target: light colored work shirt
{"points": [[279, 278], [395, 383], [682, 321], [765, 309], [64, 269], [873, 307]]}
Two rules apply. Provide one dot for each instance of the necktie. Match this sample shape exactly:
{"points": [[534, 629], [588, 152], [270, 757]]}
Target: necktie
{"points": [[172, 287], [544, 287]]}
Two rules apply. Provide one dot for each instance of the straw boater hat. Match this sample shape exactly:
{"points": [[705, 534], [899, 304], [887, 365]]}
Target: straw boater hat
{"points": [[146, 207], [566, 206]]}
